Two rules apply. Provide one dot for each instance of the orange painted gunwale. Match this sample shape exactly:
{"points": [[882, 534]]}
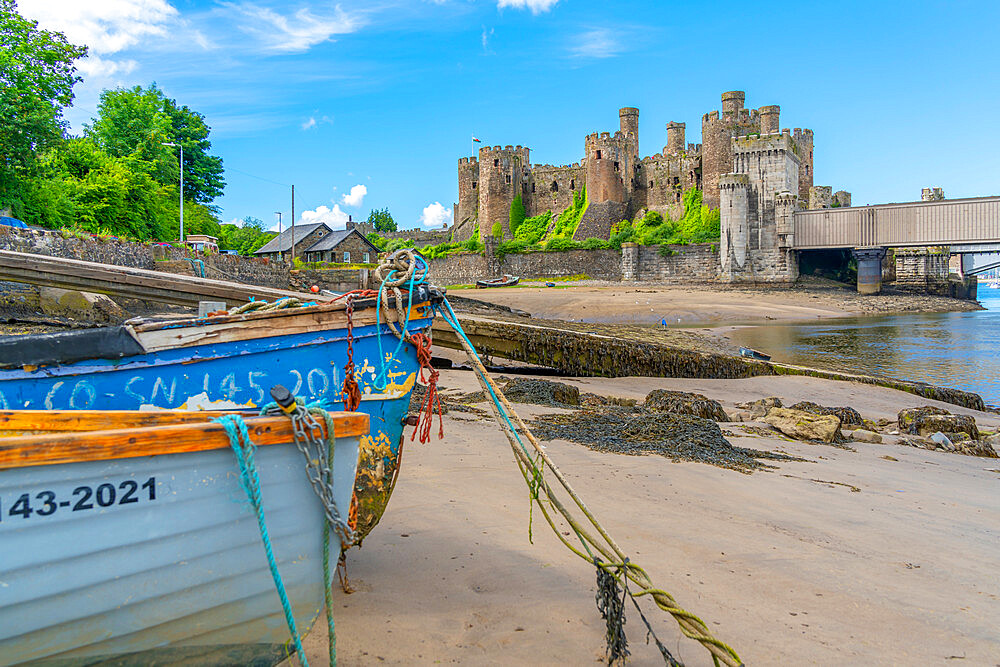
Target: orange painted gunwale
{"points": [[131, 439]]}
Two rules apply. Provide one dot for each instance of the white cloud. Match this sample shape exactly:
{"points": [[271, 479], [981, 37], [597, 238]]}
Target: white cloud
{"points": [[96, 66], [355, 196], [331, 216], [106, 26], [599, 43], [435, 215], [487, 35], [296, 32], [312, 123], [536, 6]]}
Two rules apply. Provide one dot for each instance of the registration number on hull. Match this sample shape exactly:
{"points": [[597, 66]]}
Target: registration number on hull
{"points": [[82, 498]]}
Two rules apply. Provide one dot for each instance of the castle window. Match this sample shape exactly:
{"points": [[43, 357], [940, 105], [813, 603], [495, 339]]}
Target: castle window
{"points": [[496, 162], [508, 178], [677, 180], [474, 185], [532, 187], [651, 184], [616, 166], [572, 185], [555, 187], [598, 155], [807, 170], [678, 197]]}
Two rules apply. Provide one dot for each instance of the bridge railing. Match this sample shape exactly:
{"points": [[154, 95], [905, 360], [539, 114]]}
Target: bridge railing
{"points": [[923, 223]]}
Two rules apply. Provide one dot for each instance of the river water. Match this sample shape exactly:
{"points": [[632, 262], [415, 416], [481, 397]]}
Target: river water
{"points": [[951, 349]]}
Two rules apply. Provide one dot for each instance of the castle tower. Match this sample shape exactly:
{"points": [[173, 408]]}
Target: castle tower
{"points": [[804, 143], [756, 203], [784, 207], [717, 133], [770, 119], [734, 210], [467, 207], [675, 138], [629, 120], [502, 174], [732, 103], [608, 167]]}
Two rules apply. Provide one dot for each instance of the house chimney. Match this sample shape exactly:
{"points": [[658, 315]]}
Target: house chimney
{"points": [[350, 223]]}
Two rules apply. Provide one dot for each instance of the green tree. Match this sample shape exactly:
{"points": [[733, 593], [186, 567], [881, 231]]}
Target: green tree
{"points": [[382, 220], [37, 76], [203, 173], [246, 238], [138, 121]]}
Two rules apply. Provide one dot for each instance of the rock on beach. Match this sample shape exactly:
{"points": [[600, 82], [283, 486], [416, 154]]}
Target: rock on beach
{"points": [[803, 425]]}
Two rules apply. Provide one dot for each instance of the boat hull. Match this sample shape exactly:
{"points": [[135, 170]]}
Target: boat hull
{"points": [[112, 568], [239, 375]]}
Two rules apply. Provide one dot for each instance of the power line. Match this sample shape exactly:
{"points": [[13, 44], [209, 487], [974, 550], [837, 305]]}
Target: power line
{"points": [[259, 178]]}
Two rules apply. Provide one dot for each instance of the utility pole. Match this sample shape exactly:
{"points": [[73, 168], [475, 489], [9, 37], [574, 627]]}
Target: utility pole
{"points": [[293, 225]]}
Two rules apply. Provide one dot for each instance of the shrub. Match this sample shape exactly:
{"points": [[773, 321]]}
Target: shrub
{"points": [[561, 243], [498, 230], [399, 244], [569, 219], [533, 229], [377, 241], [517, 214]]}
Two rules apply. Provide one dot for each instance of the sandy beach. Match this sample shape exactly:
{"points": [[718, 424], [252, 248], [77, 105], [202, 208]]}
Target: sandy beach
{"points": [[710, 305], [878, 554]]}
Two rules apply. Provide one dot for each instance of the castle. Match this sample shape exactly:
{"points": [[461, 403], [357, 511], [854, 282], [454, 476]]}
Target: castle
{"points": [[747, 166]]}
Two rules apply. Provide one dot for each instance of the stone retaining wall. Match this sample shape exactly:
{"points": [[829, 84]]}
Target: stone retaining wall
{"points": [[688, 263]]}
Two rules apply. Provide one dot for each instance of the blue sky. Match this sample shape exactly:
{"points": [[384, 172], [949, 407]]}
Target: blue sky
{"points": [[369, 104]]}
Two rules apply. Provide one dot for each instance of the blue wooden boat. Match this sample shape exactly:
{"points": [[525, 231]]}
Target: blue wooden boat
{"points": [[750, 353], [231, 362], [128, 540]]}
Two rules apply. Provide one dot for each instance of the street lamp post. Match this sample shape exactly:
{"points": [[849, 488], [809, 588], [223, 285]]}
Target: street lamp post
{"points": [[181, 146], [282, 254]]}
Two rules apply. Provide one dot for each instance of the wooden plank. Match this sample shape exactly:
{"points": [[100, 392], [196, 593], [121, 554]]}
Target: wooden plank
{"points": [[60, 448], [172, 335], [98, 420], [105, 278]]}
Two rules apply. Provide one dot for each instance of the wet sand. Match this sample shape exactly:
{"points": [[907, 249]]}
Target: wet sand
{"points": [[785, 565], [704, 304]]}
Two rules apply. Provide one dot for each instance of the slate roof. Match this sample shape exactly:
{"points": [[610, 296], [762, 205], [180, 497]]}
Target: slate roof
{"points": [[332, 240], [283, 241]]}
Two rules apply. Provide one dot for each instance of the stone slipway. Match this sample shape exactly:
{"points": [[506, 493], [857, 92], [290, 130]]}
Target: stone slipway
{"points": [[597, 351]]}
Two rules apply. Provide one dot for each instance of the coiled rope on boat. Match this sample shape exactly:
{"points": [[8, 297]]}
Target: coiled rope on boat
{"points": [[599, 549]]}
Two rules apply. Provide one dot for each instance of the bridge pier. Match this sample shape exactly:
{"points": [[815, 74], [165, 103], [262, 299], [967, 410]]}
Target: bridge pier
{"points": [[869, 269]]}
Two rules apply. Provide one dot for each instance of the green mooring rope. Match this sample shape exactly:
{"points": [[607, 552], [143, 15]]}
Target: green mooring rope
{"points": [[239, 439]]}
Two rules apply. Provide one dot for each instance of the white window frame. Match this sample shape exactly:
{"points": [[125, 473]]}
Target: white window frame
{"points": [[347, 257]]}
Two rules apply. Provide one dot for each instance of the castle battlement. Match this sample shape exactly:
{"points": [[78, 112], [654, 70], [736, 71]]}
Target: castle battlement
{"points": [[468, 160], [734, 181]]}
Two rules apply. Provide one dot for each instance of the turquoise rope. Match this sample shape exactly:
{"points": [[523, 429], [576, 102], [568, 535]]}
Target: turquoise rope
{"points": [[452, 319], [201, 266], [239, 439]]}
